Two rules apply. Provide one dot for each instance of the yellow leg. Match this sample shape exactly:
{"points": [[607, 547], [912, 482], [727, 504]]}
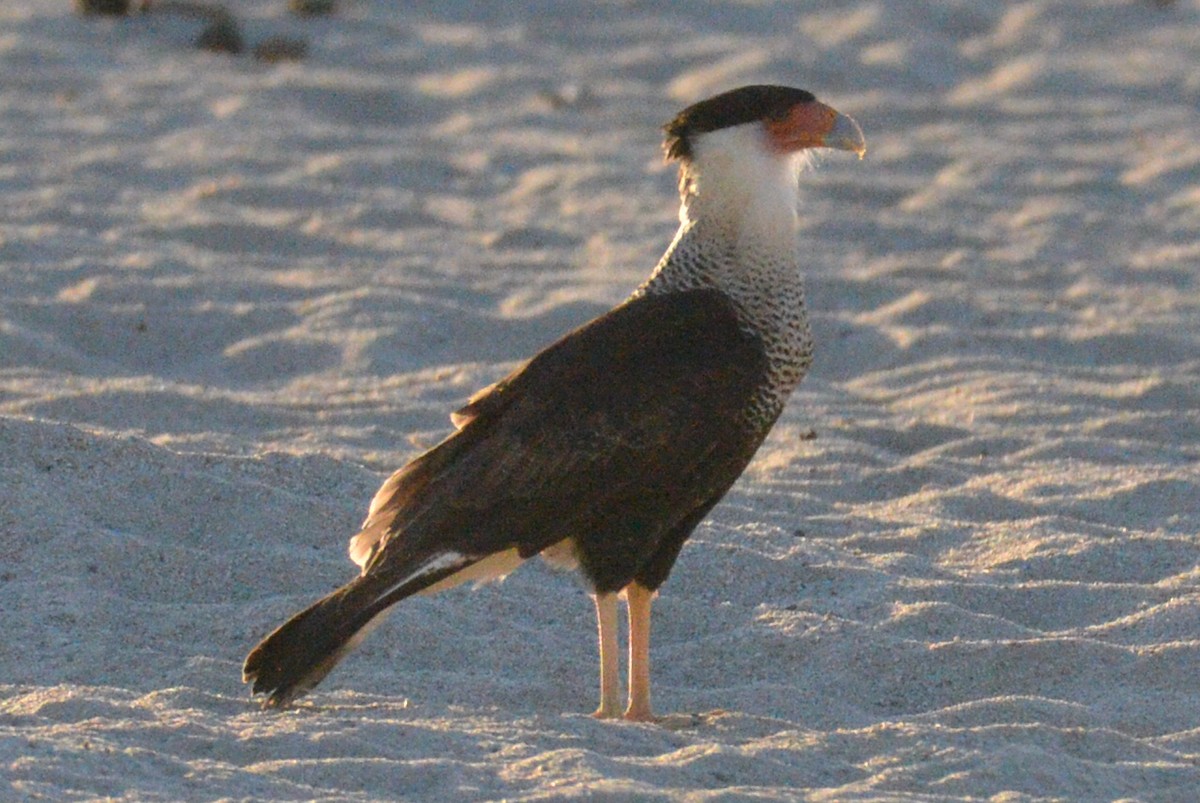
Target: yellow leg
{"points": [[638, 598], [610, 680]]}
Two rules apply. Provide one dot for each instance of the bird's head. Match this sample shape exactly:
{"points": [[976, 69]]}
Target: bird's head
{"points": [[751, 140], [787, 121]]}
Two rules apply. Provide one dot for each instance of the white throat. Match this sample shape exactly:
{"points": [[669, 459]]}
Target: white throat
{"points": [[742, 191]]}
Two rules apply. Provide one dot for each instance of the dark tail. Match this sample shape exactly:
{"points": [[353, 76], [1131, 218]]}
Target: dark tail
{"points": [[302, 651]]}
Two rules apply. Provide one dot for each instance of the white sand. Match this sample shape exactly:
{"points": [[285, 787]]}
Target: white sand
{"points": [[233, 295]]}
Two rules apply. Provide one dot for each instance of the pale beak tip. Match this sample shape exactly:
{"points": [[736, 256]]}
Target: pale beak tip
{"points": [[847, 136]]}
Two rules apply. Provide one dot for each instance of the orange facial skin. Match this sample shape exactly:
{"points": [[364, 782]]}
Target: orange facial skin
{"points": [[815, 125]]}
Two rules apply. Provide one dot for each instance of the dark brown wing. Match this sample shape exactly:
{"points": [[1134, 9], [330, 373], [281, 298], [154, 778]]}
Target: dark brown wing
{"points": [[614, 436]]}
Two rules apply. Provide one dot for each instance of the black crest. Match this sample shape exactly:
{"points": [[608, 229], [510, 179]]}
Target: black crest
{"points": [[735, 107]]}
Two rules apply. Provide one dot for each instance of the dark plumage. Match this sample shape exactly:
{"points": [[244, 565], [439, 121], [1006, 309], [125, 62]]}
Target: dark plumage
{"points": [[608, 447]]}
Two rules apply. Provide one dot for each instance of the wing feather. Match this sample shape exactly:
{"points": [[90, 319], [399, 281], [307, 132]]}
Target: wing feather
{"points": [[614, 435]]}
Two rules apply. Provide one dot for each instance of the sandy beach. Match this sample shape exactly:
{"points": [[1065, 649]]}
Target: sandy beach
{"points": [[235, 293]]}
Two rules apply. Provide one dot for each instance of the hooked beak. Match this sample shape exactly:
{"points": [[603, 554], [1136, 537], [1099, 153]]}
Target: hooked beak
{"points": [[815, 125]]}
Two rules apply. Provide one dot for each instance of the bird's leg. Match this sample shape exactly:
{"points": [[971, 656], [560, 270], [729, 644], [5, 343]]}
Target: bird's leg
{"points": [[638, 598], [610, 678]]}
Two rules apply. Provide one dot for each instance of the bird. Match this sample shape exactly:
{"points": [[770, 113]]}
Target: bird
{"points": [[605, 450]]}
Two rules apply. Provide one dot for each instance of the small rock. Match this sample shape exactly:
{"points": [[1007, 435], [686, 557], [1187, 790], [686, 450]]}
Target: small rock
{"points": [[221, 36], [115, 8], [312, 8], [280, 48]]}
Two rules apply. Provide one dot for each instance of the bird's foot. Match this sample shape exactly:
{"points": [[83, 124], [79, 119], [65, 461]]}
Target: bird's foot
{"points": [[640, 714], [607, 712]]}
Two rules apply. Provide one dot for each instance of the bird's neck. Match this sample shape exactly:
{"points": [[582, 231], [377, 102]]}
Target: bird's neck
{"points": [[740, 238], [738, 235], [748, 202], [737, 218]]}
